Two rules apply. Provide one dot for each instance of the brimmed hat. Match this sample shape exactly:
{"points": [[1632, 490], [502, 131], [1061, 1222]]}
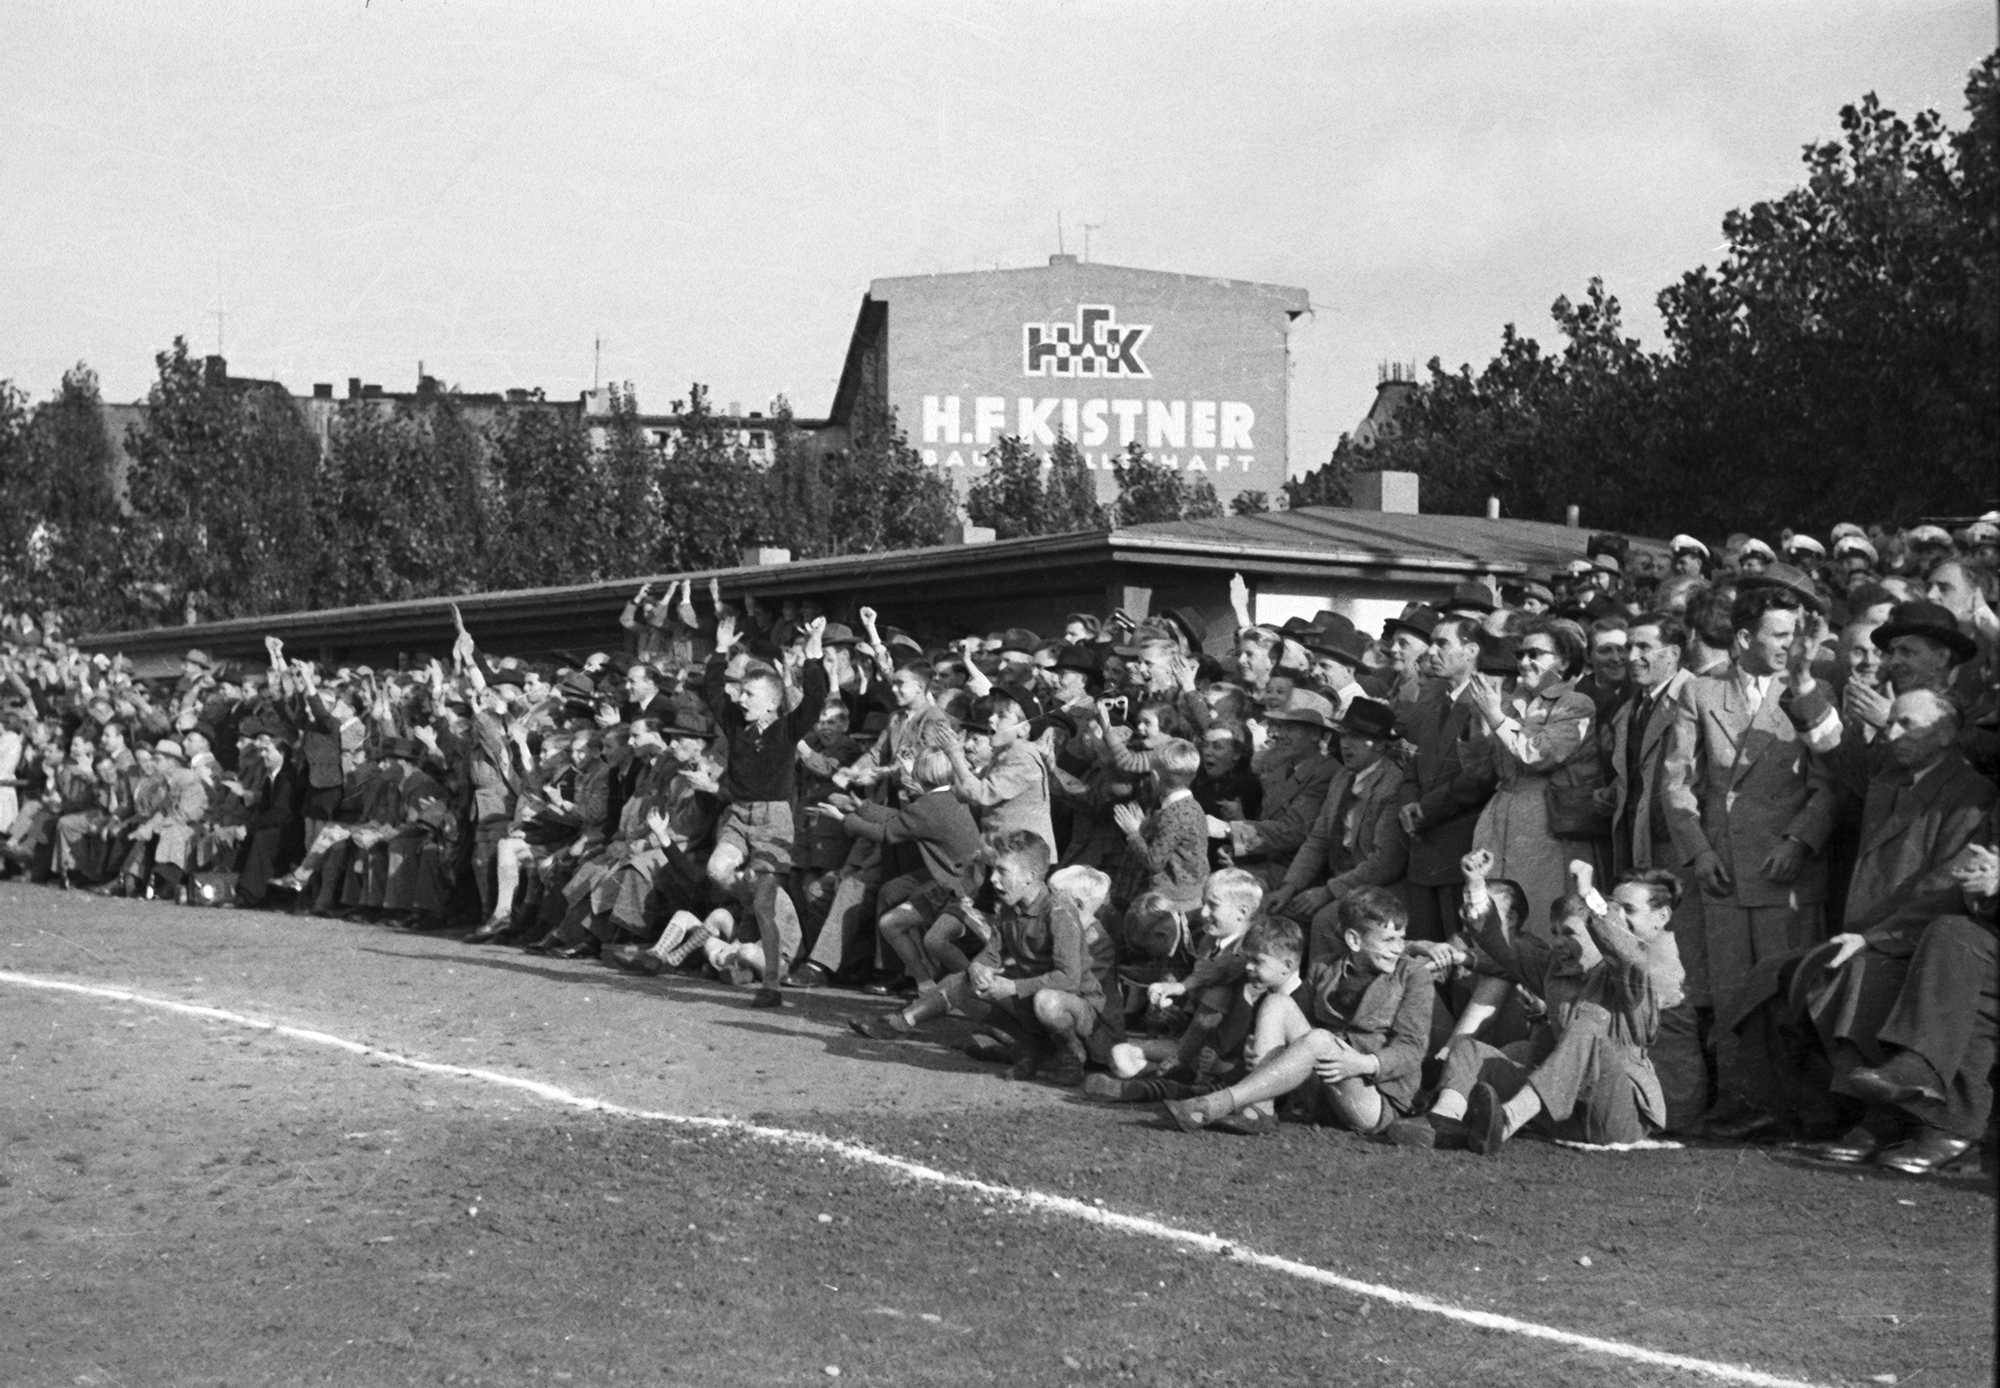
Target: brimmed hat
{"points": [[1087, 620], [167, 747], [1476, 596], [1182, 622], [197, 656], [1925, 619], [1806, 544], [1082, 659], [1418, 617], [1756, 546], [1499, 655], [1930, 535], [1855, 544], [1687, 544], [1304, 706], [1021, 697], [1368, 718], [1846, 528], [508, 674], [1538, 590], [1019, 640], [1349, 647], [1982, 532], [1579, 568], [688, 722], [1792, 579], [838, 634], [1606, 545]]}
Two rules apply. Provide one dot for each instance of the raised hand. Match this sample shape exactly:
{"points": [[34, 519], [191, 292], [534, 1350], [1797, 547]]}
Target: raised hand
{"points": [[1478, 863], [1129, 819]]}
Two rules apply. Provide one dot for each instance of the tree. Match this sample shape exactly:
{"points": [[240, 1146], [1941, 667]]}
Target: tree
{"points": [[1151, 491], [1839, 363], [629, 472], [713, 494], [397, 505], [1023, 493], [878, 493], [221, 485], [1252, 503], [544, 504]]}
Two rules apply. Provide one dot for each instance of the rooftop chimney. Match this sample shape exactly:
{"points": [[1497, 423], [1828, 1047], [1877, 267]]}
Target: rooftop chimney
{"points": [[1062, 260], [1393, 493], [322, 390], [353, 387]]}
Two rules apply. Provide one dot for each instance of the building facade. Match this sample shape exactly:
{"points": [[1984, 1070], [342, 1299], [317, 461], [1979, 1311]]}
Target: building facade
{"points": [[1193, 369]]}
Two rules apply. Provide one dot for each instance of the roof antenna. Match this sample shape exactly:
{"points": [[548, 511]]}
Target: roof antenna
{"points": [[1059, 235], [596, 365]]}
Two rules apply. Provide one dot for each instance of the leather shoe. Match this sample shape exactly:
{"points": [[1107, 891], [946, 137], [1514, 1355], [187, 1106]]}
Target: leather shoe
{"points": [[1065, 1071], [1895, 1083], [879, 1029], [585, 949], [1929, 1152], [635, 959], [544, 945], [1750, 1126], [808, 975], [1857, 1145], [767, 997], [1485, 1121], [490, 931]]}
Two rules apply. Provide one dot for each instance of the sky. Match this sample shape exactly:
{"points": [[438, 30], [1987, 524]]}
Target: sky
{"points": [[490, 189]]}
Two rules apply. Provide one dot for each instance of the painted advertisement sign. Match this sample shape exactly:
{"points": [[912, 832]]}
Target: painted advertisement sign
{"points": [[1194, 370]]}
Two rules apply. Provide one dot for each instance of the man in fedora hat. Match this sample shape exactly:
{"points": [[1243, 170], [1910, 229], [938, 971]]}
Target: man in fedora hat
{"points": [[1296, 772], [1406, 641], [1357, 840]]}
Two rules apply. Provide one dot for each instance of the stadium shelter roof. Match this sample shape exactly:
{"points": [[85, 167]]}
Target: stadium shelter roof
{"points": [[1033, 581]]}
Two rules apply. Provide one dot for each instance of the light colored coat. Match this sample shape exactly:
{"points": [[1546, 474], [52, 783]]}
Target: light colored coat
{"points": [[1739, 779]]}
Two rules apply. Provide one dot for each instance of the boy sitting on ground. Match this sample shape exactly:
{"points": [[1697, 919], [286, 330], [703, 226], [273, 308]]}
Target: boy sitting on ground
{"points": [[1370, 1013], [1041, 975], [1230, 901], [1586, 1075], [1235, 1026]]}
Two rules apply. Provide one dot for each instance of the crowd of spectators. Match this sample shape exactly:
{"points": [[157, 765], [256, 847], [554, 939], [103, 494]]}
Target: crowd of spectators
{"points": [[1702, 845]]}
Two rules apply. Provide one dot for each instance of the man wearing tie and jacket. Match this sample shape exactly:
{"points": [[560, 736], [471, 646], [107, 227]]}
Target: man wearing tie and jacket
{"points": [[1748, 801]]}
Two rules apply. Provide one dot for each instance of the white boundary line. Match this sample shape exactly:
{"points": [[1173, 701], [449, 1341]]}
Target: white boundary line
{"points": [[1025, 1199]]}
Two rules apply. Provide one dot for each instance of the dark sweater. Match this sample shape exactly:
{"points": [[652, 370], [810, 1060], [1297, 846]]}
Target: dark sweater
{"points": [[763, 761]]}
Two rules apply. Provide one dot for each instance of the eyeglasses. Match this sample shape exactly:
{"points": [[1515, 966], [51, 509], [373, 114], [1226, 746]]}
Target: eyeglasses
{"points": [[1527, 653]]}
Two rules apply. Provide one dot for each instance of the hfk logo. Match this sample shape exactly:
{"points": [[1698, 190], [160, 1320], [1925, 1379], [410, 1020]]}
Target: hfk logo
{"points": [[1096, 344]]}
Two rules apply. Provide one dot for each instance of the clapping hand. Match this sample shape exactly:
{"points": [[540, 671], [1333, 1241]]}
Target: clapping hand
{"points": [[1978, 876], [1129, 819]]}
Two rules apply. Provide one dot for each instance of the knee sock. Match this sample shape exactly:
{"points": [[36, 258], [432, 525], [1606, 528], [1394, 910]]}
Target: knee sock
{"points": [[1449, 1104], [1520, 1109]]}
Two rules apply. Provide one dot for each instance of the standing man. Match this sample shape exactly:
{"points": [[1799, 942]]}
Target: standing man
{"points": [[1450, 778], [1749, 803]]}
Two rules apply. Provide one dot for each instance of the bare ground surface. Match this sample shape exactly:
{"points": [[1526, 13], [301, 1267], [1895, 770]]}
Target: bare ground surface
{"points": [[187, 1202]]}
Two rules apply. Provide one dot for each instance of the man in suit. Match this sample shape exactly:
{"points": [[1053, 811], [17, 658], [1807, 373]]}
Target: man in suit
{"points": [[1748, 802], [1358, 839], [1449, 778], [1637, 738], [1296, 771], [1924, 807]]}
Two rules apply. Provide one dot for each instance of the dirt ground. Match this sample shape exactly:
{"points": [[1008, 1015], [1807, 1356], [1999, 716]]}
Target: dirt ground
{"points": [[187, 1202]]}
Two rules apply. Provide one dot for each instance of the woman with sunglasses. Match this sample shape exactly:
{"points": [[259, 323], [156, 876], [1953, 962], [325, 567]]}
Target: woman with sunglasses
{"points": [[1539, 733]]}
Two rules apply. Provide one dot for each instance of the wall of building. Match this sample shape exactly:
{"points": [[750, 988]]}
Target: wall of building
{"points": [[1194, 369]]}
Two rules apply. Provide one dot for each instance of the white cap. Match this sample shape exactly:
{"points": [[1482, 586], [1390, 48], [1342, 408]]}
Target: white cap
{"points": [[1806, 543], [1854, 544], [1929, 535], [1754, 546], [1688, 544]]}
